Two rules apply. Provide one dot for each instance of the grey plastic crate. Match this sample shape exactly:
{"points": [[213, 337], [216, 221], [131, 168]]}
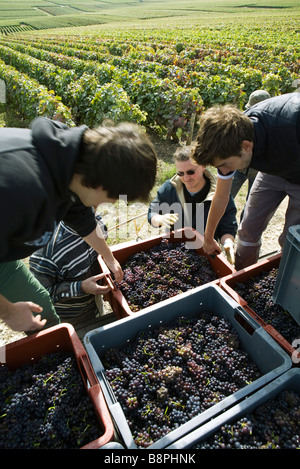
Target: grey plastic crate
{"points": [[269, 357], [287, 287], [287, 381]]}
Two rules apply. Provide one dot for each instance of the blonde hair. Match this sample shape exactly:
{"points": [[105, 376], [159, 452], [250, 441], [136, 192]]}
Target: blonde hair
{"points": [[183, 153]]}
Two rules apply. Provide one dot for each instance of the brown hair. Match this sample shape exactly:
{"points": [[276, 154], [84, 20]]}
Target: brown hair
{"points": [[221, 133], [119, 158]]}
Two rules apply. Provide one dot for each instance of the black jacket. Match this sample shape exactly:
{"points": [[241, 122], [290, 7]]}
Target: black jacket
{"points": [[36, 168], [277, 136]]}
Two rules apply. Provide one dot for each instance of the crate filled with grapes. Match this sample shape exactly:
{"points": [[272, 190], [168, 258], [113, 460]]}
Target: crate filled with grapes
{"points": [[287, 286], [253, 289], [269, 419], [161, 267], [167, 370], [50, 397]]}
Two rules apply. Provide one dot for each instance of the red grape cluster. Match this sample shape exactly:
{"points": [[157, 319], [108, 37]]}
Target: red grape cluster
{"points": [[45, 405], [162, 272], [258, 291], [273, 425], [166, 376]]}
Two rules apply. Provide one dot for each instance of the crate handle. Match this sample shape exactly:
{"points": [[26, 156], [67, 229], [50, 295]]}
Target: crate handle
{"points": [[86, 370], [248, 323], [111, 283]]}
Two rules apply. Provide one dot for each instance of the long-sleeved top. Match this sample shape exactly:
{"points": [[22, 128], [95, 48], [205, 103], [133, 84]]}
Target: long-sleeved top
{"points": [[173, 196], [36, 168], [61, 266], [276, 149], [277, 136]]}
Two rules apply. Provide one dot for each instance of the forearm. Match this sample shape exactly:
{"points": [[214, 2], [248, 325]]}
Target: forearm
{"points": [[5, 308], [88, 286], [65, 290], [50, 276], [218, 207], [98, 243], [216, 212]]}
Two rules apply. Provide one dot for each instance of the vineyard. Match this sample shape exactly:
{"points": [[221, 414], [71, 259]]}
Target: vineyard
{"points": [[161, 77], [159, 64], [161, 73]]}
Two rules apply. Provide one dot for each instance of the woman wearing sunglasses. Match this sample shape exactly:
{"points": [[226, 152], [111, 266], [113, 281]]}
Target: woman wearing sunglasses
{"points": [[185, 199]]}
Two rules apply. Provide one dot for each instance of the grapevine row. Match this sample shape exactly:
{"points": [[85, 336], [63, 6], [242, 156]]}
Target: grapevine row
{"points": [[98, 91], [87, 89], [161, 83], [32, 98], [243, 69]]}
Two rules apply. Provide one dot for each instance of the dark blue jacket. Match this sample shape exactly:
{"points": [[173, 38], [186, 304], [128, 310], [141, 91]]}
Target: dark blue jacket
{"points": [[277, 136]]}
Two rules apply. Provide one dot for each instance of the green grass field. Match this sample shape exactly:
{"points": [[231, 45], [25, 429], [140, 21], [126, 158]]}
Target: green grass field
{"points": [[44, 15]]}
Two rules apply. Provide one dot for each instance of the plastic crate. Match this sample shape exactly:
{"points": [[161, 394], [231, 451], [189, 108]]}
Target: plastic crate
{"points": [[229, 282], [289, 381], [269, 357], [123, 251], [287, 286], [63, 338]]}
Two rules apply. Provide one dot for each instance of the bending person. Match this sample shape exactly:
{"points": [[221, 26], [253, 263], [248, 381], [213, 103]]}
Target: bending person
{"points": [[52, 173], [266, 137]]}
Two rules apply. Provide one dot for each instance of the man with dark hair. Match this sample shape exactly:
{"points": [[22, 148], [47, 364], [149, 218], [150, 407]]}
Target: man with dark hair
{"points": [[185, 199], [51, 173], [266, 137]]}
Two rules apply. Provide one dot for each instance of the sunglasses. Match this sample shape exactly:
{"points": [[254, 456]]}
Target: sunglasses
{"points": [[189, 172]]}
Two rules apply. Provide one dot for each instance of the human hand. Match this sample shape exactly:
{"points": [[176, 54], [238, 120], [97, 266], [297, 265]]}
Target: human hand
{"points": [[116, 269], [168, 219], [20, 316], [229, 250], [211, 247], [90, 285]]}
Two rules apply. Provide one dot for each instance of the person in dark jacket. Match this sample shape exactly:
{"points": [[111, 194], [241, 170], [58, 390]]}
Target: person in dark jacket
{"points": [[266, 137], [51, 173], [185, 199], [249, 174]]}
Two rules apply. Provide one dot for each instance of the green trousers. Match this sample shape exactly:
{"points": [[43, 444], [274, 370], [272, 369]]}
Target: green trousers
{"points": [[17, 283]]}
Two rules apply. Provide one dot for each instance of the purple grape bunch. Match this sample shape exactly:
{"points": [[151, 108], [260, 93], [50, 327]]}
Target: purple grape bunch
{"points": [[272, 425], [258, 291], [44, 405], [164, 271], [164, 377]]}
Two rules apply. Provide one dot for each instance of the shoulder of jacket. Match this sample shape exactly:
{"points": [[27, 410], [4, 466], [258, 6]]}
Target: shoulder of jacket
{"points": [[213, 182]]}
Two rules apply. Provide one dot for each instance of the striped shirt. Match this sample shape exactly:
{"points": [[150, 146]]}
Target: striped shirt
{"points": [[60, 267]]}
